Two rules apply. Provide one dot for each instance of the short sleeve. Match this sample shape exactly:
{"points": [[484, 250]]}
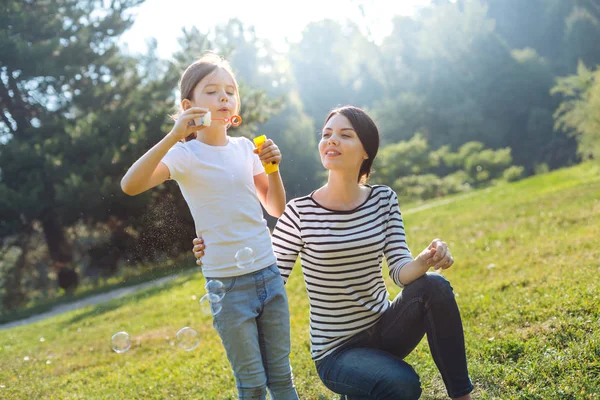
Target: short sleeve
{"points": [[177, 160]]}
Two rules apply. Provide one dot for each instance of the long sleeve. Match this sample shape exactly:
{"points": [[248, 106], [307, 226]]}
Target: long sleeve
{"points": [[287, 240], [396, 249]]}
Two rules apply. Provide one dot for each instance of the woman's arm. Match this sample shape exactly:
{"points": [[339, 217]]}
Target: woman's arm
{"points": [[287, 240], [403, 268], [436, 255]]}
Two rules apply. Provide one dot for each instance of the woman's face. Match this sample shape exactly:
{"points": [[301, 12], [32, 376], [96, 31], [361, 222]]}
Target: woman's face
{"points": [[340, 148]]}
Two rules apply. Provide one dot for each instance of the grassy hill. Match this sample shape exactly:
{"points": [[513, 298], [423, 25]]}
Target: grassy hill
{"points": [[526, 277]]}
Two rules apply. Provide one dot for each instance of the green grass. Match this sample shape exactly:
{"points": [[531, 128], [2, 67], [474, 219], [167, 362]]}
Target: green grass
{"points": [[526, 277], [44, 301]]}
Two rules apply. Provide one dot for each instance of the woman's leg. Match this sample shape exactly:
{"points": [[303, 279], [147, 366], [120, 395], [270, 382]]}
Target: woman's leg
{"points": [[427, 305], [369, 373], [274, 334]]}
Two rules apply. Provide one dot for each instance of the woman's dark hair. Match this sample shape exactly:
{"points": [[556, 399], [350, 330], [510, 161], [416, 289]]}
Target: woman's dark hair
{"points": [[367, 132]]}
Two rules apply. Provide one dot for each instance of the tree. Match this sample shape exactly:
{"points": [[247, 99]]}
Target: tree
{"points": [[51, 51], [455, 80], [328, 74], [561, 31], [579, 113]]}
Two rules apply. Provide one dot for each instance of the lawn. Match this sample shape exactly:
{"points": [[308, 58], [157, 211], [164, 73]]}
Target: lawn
{"points": [[525, 277]]}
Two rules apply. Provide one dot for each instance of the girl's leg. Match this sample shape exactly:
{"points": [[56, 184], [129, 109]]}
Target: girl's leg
{"points": [[427, 305], [369, 373], [274, 334], [236, 325]]}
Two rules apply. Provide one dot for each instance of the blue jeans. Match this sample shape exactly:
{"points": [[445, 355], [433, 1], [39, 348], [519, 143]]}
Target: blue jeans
{"points": [[371, 366], [254, 326]]}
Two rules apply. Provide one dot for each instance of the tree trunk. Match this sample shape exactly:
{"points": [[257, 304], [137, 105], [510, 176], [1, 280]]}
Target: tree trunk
{"points": [[59, 248], [61, 252]]}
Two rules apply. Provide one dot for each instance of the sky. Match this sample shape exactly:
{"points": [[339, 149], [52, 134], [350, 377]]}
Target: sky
{"points": [[278, 21]]}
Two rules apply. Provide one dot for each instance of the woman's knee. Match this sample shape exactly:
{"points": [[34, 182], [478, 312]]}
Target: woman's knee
{"points": [[432, 283], [401, 384]]}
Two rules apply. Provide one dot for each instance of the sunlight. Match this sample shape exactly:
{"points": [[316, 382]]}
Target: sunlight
{"points": [[165, 20]]}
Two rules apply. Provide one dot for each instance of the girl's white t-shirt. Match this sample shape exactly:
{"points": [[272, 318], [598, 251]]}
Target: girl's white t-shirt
{"points": [[217, 183]]}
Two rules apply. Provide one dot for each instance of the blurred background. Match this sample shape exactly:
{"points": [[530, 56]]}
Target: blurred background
{"points": [[466, 93]]}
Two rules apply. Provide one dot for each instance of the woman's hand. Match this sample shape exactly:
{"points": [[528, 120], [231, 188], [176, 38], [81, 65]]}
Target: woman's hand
{"points": [[436, 255], [198, 250], [182, 127]]}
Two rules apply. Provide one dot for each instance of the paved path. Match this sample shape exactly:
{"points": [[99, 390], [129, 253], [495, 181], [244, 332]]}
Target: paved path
{"points": [[89, 301]]}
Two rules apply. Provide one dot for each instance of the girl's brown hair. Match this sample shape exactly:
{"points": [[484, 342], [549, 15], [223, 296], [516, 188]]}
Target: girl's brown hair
{"points": [[197, 71], [367, 133]]}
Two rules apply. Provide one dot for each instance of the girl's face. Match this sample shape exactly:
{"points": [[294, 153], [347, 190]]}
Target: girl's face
{"points": [[218, 93], [340, 148]]}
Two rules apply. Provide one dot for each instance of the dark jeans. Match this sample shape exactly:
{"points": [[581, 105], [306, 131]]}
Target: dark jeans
{"points": [[370, 365]]}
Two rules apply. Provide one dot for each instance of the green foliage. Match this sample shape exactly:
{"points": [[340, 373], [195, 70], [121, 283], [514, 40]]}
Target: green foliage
{"points": [[579, 113], [415, 172], [53, 54], [402, 159], [512, 173]]}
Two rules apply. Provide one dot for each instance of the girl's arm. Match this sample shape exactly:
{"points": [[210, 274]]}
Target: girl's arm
{"points": [[269, 188], [271, 192], [149, 171]]}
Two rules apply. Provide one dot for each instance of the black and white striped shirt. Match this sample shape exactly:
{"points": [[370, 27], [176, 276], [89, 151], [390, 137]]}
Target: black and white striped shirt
{"points": [[341, 255]]}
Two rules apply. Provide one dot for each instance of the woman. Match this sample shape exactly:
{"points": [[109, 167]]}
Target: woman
{"points": [[342, 231]]}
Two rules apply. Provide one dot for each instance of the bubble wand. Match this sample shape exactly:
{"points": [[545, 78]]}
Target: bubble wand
{"points": [[205, 120]]}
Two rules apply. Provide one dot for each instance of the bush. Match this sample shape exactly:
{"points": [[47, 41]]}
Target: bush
{"points": [[541, 168], [513, 173]]}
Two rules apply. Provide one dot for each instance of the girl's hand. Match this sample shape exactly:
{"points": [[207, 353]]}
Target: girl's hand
{"points": [[269, 152], [198, 250], [436, 255], [182, 127]]}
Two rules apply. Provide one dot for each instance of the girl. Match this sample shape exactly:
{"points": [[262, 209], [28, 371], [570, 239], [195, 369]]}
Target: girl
{"points": [[224, 185], [342, 232]]}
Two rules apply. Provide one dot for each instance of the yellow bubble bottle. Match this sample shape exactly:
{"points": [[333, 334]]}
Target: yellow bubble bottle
{"points": [[269, 167]]}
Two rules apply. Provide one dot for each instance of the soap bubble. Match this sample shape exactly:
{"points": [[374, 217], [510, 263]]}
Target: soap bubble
{"points": [[244, 258], [121, 342], [187, 339], [211, 304], [215, 287]]}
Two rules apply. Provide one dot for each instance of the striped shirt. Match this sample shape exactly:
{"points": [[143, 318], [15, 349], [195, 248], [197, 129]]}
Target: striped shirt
{"points": [[341, 254]]}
